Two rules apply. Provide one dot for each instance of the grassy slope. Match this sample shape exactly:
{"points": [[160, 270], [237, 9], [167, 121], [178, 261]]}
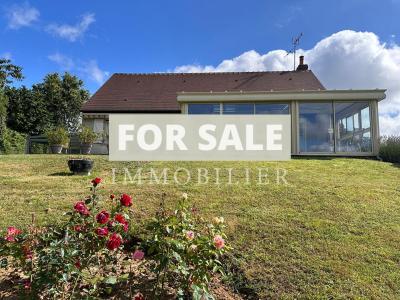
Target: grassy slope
{"points": [[333, 231]]}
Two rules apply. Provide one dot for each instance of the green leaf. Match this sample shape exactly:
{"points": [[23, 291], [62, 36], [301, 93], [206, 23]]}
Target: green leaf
{"points": [[111, 280]]}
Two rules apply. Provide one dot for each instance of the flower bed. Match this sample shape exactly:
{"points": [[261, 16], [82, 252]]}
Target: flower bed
{"points": [[96, 254]]}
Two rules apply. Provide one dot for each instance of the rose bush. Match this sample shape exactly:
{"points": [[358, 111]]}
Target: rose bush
{"points": [[83, 257], [187, 250]]}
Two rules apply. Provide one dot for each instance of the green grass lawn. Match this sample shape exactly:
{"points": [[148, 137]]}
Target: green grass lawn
{"points": [[332, 232]]}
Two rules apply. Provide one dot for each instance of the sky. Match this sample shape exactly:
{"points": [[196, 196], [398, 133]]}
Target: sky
{"points": [[347, 43]]}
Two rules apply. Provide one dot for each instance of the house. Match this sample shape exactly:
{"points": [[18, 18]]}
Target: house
{"points": [[324, 122]]}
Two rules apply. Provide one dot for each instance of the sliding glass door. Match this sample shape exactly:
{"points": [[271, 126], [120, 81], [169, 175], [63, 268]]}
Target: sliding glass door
{"points": [[353, 127], [335, 127], [316, 127]]}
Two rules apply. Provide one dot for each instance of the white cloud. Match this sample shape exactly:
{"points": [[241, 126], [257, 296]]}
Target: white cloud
{"points": [[93, 72], [72, 32], [22, 15], [6, 55], [63, 61], [344, 60], [89, 69]]}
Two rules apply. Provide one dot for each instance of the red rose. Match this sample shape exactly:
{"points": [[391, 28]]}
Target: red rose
{"points": [[138, 296], [78, 228], [121, 219], [78, 264], [96, 181], [126, 200], [114, 241], [110, 225], [81, 208], [27, 284], [102, 231], [126, 226], [103, 217], [112, 196]]}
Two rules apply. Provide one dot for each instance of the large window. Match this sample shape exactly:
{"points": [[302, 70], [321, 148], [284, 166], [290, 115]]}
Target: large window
{"points": [[272, 108], [238, 109], [316, 127], [356, 135], [204, 109]]}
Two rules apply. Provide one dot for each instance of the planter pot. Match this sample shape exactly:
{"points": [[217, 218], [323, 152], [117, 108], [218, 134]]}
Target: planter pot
{"points": [[80, 166], [56, 149], [86, 148]]}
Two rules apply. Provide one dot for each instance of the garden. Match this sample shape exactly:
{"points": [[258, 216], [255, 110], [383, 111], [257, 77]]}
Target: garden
{"points": [[332, 231]]}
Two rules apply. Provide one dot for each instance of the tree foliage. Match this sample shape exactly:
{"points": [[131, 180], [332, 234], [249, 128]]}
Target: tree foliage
{"points": [[8, 73], [27, 111], [55, 102]]}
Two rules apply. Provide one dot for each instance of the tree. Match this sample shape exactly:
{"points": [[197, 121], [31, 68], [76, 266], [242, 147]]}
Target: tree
{"points": [[55, 102], [27, 111], [8, 72], [64, 97]]}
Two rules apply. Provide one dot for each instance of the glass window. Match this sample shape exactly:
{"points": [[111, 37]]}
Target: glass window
{"points": [[316, 127], [238, 108], [356, 138], [356, 121], [272, 108], [204, 109], [349, 122], [365, 123]]}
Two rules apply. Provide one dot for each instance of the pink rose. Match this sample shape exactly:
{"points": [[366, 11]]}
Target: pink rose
{"points": [[81, 208], [103, 217], [102, 231], [190, 235], [12, 232], [138, 255], [10, 238], [126, 200], [219, 242]]}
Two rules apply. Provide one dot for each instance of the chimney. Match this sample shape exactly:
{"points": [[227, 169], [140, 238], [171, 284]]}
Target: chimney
{"points": [[302, 66]]}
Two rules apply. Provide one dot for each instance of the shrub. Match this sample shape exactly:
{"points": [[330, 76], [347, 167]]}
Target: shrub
{"points": [[13, 142], [58, 136], [38, 148], [187, 250], [87, 135], [76, 258], [390, 149], [88, 254]]}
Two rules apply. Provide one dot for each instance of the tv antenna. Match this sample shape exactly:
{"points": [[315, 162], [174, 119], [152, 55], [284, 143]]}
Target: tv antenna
{"points": [[295, 44]]}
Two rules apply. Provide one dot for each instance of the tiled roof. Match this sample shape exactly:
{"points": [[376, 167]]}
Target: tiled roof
{"points": [[158, 92]]}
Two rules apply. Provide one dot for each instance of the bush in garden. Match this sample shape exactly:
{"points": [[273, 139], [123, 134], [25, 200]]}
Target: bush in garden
{"points": [[82, 258], [37, 148], [77, 257], [87, 135], [13, 142], [187, 250], [389, 149], [58, 136]]}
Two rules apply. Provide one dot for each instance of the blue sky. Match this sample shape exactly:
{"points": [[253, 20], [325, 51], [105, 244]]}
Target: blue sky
{"points": [[94, 39]]}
